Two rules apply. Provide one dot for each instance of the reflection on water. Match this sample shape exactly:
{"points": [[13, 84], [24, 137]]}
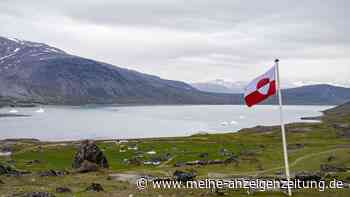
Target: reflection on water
{"points": [[68, 123]]}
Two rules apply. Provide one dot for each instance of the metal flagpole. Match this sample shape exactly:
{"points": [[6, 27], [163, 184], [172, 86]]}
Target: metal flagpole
{"points": [[285, 151]]}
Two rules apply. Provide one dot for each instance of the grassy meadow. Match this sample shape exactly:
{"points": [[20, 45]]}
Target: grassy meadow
{"points": [[259, 154]]}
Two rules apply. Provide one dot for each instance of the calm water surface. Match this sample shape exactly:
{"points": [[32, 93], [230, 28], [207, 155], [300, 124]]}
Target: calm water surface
{"points": [[71, 123]]}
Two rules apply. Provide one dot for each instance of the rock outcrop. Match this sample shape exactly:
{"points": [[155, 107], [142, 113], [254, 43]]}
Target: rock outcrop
{"points": [[88, 166], [39, 73], [89, 151], [184, 176]]}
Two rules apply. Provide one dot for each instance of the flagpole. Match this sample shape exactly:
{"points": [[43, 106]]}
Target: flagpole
{"points": [[285, 150]]}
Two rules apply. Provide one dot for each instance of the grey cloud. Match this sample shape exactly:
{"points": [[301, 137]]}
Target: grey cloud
{"points": [[192, 40]]}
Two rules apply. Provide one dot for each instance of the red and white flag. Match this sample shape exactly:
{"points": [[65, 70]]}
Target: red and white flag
{"points": [[261, 88]]}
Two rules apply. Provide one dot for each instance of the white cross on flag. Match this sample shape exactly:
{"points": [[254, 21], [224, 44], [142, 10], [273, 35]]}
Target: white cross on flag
{"points": [[261, 88]]}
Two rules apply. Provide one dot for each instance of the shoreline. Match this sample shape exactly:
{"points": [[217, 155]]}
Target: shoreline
{"points": [[316, 150], [150, 105], [6, 115], [160, 137], [198, 134]]}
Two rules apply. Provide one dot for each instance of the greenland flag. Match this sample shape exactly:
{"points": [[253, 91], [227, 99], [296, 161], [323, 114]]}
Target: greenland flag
{"points": [[261, 88]]}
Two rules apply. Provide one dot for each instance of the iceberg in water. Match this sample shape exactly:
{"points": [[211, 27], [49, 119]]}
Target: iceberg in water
{"points": [[224, 123], [13, 111], [40, 110], [234, 122]]}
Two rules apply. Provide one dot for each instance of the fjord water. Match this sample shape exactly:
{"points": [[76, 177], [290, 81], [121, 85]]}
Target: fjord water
{"points": [[106, 122]]}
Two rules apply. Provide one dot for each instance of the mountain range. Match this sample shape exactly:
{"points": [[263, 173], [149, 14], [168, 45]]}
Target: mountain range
{"points": [[37, 72], [31, 71], [223, 86]]}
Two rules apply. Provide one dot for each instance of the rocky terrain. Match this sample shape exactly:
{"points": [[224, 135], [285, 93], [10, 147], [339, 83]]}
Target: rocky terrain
{"points": [[35, 73]]}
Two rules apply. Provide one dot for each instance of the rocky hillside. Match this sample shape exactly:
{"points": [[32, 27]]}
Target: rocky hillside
{"points": [[37, 72], [341, 110], [315, 95]]}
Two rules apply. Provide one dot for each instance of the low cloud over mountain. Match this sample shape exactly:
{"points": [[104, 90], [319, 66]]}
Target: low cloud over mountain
{"points": [[36, 72]]}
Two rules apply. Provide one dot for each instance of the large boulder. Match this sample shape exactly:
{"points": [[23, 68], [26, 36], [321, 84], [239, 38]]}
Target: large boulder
{"points": [[88, 166], [184, 176], [89, 151]]}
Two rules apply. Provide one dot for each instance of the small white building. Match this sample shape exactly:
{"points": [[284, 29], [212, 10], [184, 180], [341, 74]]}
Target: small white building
{"points": [[156, 163], [121, 142], [152, 152], [133, 148]]}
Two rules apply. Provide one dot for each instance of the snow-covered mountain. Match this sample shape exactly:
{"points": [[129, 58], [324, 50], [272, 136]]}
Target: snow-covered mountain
{"points": [[345, 84], [31, 71], [36, 72], [222, 86]]}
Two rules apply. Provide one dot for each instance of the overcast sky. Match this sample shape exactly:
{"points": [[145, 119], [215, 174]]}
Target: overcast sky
{"points": [[194, 40]]}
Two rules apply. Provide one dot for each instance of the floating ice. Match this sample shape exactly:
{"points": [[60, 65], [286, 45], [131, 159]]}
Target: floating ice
{"points": [[224, 123], [13, 111], [40, 110], [234, 122], [241, 117]]}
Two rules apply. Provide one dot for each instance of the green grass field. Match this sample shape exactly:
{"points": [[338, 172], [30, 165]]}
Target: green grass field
{"points": [[259, 154]]}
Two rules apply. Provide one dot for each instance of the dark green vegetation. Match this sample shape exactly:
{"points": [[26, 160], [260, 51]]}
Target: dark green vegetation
{"points": [[37, 73], [257, 152]]}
